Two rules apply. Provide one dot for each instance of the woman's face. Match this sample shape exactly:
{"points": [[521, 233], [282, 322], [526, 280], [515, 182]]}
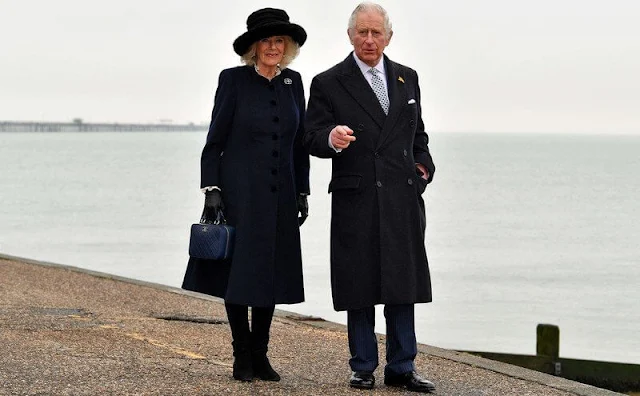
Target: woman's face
{"points": [[270, 51]]}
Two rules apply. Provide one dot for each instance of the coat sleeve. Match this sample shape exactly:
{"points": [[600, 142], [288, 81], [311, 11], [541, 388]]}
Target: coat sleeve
{"points": [[421, 139], [320, 120], [221, 124], [300, 153]]}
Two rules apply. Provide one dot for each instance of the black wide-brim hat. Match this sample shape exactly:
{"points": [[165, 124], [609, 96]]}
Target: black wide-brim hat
{"points": [[268, 22]]}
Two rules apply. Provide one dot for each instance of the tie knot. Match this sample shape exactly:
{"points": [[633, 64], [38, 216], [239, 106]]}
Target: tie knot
{"points": [[373, 71]]}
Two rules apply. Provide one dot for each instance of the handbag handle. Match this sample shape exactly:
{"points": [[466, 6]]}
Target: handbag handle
{"points": [[218, 220]]}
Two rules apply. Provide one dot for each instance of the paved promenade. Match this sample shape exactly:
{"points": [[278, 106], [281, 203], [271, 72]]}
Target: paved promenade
{"points": [[66, 331]]}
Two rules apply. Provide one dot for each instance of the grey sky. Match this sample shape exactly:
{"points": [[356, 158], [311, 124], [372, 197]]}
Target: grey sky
{"points": [[492, 65]]}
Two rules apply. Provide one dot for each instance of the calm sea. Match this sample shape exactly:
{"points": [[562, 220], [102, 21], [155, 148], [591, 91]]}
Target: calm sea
{"points": [[522, 229]]}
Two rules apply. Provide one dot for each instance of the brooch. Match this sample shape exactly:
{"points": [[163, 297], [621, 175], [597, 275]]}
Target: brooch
{"points": [[401, 79], [288, 81]]}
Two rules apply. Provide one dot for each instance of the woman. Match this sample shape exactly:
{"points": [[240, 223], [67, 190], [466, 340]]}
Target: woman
{"points": [[254, 167]]}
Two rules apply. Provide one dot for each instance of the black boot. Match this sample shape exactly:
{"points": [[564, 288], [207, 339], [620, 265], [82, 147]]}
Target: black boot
{"points": [[239, 323], [260, 325], [242, 362]]}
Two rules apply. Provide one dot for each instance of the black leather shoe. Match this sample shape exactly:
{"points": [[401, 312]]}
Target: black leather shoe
{"points": [[362, 380], [412, 381]]}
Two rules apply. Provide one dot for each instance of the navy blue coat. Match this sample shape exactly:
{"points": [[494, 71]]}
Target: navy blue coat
{"points": [[377, 211], [254, 153]]}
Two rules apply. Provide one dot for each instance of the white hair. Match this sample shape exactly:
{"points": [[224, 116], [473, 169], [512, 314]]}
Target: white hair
{"points": [[366, 6]]}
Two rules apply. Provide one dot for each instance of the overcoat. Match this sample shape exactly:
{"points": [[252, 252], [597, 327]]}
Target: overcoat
{"points": [[254, 153], [377, 211]]}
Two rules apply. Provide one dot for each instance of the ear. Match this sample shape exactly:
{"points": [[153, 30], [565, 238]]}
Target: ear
{"points": [[390, 35], [349, 34]]}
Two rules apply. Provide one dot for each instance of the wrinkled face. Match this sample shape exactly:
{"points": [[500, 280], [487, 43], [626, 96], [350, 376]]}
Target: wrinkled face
{"points": [[369, 38], [269, 51]]}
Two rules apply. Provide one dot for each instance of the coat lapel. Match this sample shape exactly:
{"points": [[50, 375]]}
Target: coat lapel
{"points": [[397, 99], [358, 87]]}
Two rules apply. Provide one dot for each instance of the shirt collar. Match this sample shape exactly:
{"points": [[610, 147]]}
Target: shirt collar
{"points": [[365, 68]]}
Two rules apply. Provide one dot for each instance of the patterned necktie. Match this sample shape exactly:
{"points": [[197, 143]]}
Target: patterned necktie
{"points": [[379, 89]]}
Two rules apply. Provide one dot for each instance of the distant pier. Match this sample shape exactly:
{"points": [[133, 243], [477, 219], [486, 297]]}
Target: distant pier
{"points": [[79, 126]]}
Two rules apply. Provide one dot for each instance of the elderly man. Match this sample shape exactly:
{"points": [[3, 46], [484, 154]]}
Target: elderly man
{"points": [[364, 114]]}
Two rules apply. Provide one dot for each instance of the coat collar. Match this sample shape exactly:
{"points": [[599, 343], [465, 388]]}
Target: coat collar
{"points": [[354, 82]]}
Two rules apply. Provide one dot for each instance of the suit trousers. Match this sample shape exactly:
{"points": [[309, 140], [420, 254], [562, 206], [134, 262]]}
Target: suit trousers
{"points": [[401, 347]]}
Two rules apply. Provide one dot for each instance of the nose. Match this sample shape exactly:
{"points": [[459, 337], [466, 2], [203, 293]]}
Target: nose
{"points": [[369, 38]]}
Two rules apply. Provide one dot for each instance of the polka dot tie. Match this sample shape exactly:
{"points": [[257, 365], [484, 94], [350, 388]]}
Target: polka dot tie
{"points": [[379, 89]]}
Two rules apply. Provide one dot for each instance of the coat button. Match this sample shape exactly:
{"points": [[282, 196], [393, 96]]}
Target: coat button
{"points": [[412, 123], [274, 189], [274, 171], [410, 181], [404, 152], [379, 183], [274, 137], [360, 127], [273, 102], [271, 87], [275, 153], [276, 119], [376, 154]]}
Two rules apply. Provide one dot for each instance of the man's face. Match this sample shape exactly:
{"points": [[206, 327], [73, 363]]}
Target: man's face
{"points": [[369, 38]]}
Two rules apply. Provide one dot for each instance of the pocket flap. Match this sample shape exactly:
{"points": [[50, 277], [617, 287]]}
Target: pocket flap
{"points": [[345, 182]]}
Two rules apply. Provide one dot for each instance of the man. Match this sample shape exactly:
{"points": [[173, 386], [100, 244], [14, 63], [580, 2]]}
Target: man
{"points": [[364, 114]]}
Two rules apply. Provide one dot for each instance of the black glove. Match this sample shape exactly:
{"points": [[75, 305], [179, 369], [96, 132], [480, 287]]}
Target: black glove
{"points": [[303, 208], [212, 205]]}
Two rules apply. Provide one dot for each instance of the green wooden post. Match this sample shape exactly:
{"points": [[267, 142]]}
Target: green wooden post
{"points": [[548, 340]]}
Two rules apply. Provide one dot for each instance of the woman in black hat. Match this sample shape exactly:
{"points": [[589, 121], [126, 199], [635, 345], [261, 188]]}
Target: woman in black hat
{"points": [[254, 167]]}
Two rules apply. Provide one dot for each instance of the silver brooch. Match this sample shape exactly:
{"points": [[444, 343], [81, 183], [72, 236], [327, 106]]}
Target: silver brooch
{"points": [[288, 81]]}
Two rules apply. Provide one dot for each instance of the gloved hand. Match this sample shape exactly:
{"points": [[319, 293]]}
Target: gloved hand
{"points": [[212, 205], [303, 208]]}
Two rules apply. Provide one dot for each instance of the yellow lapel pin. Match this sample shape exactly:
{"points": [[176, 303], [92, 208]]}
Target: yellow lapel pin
{"points": [[401, 79]]}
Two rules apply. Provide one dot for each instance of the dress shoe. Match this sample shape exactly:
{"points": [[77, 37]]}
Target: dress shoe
{"points": [[362, 380], [411, 380]]}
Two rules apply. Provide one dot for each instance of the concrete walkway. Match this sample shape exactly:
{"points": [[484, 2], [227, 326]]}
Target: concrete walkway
{"points": [[68, 331]]}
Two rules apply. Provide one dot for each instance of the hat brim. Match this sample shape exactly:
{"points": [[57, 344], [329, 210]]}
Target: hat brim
{"points": [[243, 42]]}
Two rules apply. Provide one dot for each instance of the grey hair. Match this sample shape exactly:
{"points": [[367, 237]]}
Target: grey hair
{"points": [[291, 50], [369, 6]]}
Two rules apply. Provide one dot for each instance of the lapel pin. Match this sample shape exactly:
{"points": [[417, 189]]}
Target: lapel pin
{"points": [[401, 79], [288, 81]]}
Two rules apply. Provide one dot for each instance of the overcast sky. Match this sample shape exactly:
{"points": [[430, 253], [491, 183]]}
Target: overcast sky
{"points": [[491, 65]]}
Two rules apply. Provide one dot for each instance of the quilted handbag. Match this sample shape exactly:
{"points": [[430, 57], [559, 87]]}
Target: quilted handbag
{"points": [[212, 241]]}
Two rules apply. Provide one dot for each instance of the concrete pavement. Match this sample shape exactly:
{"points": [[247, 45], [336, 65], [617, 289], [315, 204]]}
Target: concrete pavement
{"points": [[68, 331]]}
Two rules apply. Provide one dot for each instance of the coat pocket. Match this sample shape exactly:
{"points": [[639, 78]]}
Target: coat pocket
{"points": [[346, 182]]}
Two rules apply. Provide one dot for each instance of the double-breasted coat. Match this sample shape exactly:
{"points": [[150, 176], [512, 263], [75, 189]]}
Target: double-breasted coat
{"points": [[254, 153], [377, 211]]}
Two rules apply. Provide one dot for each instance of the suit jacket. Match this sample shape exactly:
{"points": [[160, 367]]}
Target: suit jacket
{"points": [[378, 215]]}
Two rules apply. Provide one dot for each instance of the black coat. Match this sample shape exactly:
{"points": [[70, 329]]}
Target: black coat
{"points": [[377, 212], [254, 153]]}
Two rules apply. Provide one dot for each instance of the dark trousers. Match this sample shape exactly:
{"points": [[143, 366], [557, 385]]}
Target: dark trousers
{"points": [[401, 339]]}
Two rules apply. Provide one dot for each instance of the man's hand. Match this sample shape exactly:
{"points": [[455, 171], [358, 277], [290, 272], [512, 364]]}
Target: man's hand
{"points": [[341, 136], [424, 171]]}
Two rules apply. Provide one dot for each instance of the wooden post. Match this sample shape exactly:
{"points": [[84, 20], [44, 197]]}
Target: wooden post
{"points": [[548, 340]]}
